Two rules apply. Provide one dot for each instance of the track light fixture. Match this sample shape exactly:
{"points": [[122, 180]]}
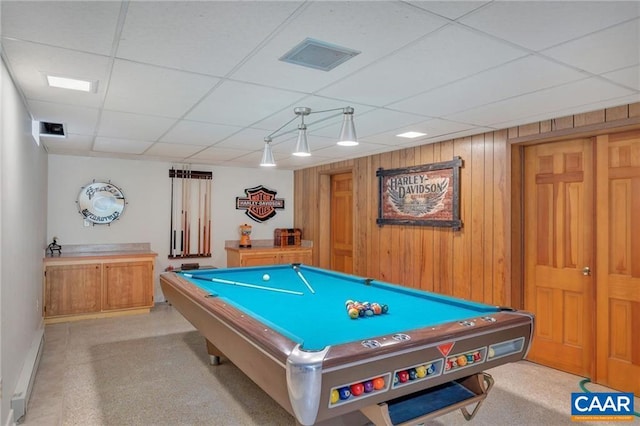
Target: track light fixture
{"points": [[347, 135]]}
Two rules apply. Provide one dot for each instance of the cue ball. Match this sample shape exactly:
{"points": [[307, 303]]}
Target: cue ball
{"points": [[266, 277]]}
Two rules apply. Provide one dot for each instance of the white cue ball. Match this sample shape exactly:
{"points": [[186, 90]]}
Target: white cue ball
{"points": [[266, 277]]}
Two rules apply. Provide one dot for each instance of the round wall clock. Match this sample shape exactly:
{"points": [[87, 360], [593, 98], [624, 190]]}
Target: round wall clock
{"points": [[101, 202]]}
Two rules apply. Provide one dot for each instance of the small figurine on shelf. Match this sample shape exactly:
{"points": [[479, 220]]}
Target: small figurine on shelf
{"points": [[245, 236], [54, 246]]}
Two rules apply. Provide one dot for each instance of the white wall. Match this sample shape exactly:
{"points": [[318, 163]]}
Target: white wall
{"points": [[147, 214], [23, 210]]}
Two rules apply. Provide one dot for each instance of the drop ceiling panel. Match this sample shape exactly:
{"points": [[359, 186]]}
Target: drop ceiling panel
{"points": [[521, 76], [572, 95], [83, 26], [197, 133], [210, 37], [30, 63], [160, 149], [629, 77], [449, 9], [247, 139], [133, 126], [151, 90], [72, 143], [429, 63], [602, 57], [375, 29], [122, 146], [240, 104], [538, 25], [218, 154]]}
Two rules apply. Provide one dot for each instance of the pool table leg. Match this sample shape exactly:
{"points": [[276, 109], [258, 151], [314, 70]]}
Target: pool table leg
{"points": [[214, 353]]}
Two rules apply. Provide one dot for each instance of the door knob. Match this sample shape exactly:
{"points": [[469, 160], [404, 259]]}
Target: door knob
{"points": [[586, 271]]}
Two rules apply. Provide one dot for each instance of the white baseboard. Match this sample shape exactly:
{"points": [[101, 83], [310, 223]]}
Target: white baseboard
{"points": [[24, 386], [10, 421]]}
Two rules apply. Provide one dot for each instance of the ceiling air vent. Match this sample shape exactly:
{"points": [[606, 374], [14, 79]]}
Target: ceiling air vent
{"points": [[55, 130], [318, 55]]}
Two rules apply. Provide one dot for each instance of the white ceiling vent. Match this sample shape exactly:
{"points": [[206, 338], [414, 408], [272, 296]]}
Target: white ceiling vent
{"points": [[54, 130], [318, 55]]}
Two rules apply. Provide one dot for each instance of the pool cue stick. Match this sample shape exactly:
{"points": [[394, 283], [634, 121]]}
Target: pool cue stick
{"points": [[187, 230], [182, 216], [304, 280], [239, 284], [199, 216], [171, 234], [207, 206]]}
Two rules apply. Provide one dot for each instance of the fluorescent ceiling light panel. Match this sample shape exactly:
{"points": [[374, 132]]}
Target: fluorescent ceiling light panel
{"points": [[70, 83], [411, 135]]}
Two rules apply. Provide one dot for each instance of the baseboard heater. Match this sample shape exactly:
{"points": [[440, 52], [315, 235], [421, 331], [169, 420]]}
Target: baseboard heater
{"points": [[24, 386]]}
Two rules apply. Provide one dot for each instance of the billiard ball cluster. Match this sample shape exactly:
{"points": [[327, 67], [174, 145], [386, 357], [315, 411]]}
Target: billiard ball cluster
{"points": [[357, 309], [357, 389], [415, 373], [462, 360]]}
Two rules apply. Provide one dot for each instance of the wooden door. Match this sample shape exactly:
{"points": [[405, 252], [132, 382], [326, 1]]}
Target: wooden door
{"points": [[72, 289], [342, 222], [558, 229], [618, 261]]}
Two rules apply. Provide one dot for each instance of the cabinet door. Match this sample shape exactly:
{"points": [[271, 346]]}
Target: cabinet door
{"points": [[295, 257], [127, 285], [72, 289], [259, 259]]}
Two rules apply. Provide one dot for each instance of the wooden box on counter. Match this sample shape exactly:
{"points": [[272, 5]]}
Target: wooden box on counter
{"points": [[285, 237]]}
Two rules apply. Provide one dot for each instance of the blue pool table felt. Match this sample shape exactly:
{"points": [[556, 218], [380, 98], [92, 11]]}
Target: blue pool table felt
{"points": [[320, 319]]}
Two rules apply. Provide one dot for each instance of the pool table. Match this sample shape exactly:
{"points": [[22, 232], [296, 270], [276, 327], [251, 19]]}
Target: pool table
{"points": [[288, 328]]}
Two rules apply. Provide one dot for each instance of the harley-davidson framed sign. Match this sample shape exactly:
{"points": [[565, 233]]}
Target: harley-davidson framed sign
{"points": [[426, 195]]}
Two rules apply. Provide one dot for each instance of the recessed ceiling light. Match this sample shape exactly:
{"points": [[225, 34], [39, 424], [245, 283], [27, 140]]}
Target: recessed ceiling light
{"points": [[411, 135], [70, 83]]}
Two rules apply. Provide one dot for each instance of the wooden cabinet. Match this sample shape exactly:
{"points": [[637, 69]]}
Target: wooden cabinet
{"points": [[91, 286], [258, 256]]}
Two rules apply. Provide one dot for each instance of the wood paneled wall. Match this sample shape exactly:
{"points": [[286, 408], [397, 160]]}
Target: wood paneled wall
{"points": [[482, 261], [471, 263]]}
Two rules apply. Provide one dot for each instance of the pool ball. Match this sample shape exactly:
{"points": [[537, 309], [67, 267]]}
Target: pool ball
{"points": [[385, 308], [413, 374], [377, 309], [266, 277], [353, 313], [368, 313], [462, 360], [368, 386], [344, 393], [492, 353], [357, 389], [335, 396], [348, 302], [403, 376], [421, 371], [430, 369], [378, 383]]}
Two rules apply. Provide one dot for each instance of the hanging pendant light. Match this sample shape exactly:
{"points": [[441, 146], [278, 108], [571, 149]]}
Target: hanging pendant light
{"points": [[267, 155], [302, 145], [348, 132]]}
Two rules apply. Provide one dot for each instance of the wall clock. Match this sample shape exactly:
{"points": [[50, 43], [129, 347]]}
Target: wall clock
{"points": [[101, 202]]}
